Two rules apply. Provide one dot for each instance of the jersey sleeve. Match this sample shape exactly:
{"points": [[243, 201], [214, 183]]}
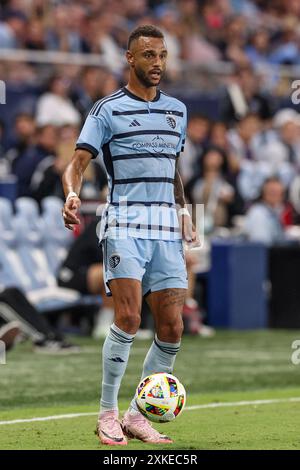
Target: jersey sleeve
{"points": [[94, 134], [180, 146]]}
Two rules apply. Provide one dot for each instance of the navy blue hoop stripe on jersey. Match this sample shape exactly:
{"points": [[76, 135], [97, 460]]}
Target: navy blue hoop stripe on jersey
{"points": [[145, 132], [148, 203], [147, 227], [103, 99], [144, 180], [147, 111], [88, 147], [131, 156]]}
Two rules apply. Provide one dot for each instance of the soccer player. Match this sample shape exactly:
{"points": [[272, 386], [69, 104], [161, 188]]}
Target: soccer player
{"points": [[140, 131]]}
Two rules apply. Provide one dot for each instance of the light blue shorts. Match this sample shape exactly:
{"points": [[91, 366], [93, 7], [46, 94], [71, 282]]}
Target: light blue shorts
{"points": [[158, 264]]}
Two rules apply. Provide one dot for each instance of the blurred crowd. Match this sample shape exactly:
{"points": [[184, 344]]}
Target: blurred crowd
{"points": [[262, 31], [253, 140], [256, 32]]}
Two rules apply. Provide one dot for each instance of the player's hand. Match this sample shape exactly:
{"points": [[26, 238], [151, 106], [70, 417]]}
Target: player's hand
{"points": [[69, 212], [189, 233]]}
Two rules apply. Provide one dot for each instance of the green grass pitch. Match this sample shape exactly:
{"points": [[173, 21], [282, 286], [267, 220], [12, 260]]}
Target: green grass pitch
{"points": [[231, 368]]}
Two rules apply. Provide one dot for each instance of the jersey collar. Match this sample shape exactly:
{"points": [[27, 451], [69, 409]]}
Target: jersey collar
{"points": [[135, 97]]}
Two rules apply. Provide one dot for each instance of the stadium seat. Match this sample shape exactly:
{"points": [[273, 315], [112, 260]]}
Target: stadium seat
{"points": [[27, 221], [31, 247], [7, 230], [12, 270], [56, 238], [27, 207]]}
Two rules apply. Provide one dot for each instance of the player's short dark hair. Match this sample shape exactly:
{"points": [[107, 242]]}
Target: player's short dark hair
{"points": [[147, 30]]}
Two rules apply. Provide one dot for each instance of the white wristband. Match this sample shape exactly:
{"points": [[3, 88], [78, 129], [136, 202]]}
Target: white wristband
{"points": [[71, 194], [183, 211]]}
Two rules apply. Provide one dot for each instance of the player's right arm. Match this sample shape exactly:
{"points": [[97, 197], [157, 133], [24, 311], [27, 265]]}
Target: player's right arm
{"points": [[72, 181], [95, 132]]}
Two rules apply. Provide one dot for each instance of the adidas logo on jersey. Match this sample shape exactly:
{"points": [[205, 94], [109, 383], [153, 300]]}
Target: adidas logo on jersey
{"points": [[134, 123]]}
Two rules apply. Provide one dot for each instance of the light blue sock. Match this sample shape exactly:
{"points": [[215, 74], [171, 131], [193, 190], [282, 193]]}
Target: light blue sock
{"points": [[160, 358], [115, 354]]}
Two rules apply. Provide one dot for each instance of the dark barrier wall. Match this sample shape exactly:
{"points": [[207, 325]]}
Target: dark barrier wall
{"points": [[284, 272], [236, 285]]}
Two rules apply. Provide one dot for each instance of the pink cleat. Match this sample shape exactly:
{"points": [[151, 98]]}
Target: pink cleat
{"points": [[109, 429], [136, 426]]}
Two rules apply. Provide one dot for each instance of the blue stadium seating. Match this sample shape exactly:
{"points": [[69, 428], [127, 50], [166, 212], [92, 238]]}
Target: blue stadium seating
{"points": [[31, 248], [7, 231], [56, 239]]}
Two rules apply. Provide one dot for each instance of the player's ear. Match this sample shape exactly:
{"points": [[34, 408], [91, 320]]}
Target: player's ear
{"points": [[130, 58]]}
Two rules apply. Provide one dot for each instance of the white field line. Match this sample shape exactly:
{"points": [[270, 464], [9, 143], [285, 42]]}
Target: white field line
{"points": [[188, 408]]}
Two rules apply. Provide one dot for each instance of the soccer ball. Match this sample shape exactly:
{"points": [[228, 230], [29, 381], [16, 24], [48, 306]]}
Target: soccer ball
{"points": [[160, 397]]}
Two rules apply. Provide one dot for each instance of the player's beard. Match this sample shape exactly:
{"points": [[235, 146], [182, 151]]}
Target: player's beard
{"points": [[145, 79]]}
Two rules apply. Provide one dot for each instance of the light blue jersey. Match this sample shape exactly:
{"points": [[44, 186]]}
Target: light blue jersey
{"points": [[140, 142]]}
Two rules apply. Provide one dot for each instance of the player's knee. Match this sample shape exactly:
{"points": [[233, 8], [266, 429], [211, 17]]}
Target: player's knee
{"points": [[171, 331], [132, 321], [128, 317]]}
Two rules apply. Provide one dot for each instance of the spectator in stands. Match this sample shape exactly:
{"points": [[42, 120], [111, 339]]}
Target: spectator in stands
{"points": [[65, 28], [46, 141], [287, 51], [172, 30], [46, 180], [35, 38], [25, 162], [264, 220], [21, 150], [279, 149], [273, 151], [218, 135], [211, 188], [100, 39], [196, 140], [258, 51], [243, 97], [89, 89], [240, 138], [95, 83], [55, 107], [235, 40], [219, 138], [12, 30], [256, 154]]}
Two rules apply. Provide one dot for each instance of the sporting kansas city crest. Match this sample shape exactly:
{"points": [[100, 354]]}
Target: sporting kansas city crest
{"points": [[114, 260], [171, 121]]}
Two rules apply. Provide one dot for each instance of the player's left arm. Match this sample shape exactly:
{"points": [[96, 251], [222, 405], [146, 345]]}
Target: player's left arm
{"points": [[185, 220]]}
